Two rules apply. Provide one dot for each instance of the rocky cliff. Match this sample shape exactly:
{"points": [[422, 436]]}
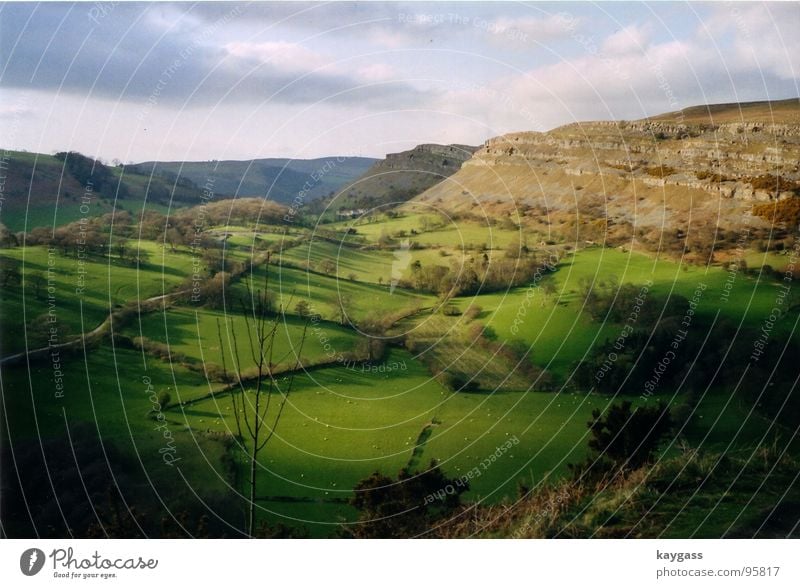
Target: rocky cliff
{"points": [[700, 167], [402, 176]]}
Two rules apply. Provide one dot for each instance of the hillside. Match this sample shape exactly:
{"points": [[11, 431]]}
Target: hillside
{"points": [[690, 172], [280, 180], [400, 176], [54, 190]]}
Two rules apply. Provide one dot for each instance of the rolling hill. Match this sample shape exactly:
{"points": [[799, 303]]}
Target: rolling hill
{"points": [[54, 190], [399, 177], [277, 179]]}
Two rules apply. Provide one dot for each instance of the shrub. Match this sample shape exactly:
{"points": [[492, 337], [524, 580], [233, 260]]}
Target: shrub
{"points": [[164, 399], [660, 171]]}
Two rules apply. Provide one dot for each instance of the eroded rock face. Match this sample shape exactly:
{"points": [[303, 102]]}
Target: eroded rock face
{"points": [[403, 175], [648, 172]]}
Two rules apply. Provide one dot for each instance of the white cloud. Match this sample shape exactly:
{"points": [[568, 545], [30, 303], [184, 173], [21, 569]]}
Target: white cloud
{"points": [[765, 38], [376, 72], [537, 28], [287, 57], [631, 39]]}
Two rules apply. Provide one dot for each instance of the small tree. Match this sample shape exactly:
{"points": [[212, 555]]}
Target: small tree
{"points": [[405, 507], [256, 410], [328, 266], [345, 300], [37, 282], [627, 437], [10, 271], [302, 309], [164, 399], [548, 289]]}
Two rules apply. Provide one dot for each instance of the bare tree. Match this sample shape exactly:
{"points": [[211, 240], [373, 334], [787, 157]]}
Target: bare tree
{"points": [[345, 300], [255, 412]]}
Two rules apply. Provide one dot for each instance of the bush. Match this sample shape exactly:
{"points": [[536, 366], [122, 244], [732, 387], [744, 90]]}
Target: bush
{"points": [[451, 310], [164, 399], [660, 171], [473, 312]]}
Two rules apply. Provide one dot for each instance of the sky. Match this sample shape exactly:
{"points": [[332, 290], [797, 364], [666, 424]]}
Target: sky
{"points": [[199, 81]]}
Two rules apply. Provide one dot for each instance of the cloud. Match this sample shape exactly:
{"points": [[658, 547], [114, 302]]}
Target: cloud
{"points": [[631, 39], [628, 75], [281, 55], [132, 57], [478, 69], [540, 29]]}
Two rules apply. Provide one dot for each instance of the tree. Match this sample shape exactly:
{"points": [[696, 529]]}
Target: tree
{"points": [[37, 282], [142, 257], [173, 237], [627, 437], [407, 506], [345, 300], [120, 247], [214, 260], [302, 309], [214, 289], [10, 271], [255, 413], [548, 289], [7, 238], [328, 266], [516, 247]]}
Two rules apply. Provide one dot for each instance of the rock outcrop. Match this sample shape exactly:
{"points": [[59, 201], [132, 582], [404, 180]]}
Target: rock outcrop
{"points": [[402, 176], [658, 172]]}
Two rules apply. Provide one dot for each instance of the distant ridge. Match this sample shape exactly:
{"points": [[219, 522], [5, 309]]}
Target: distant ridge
{"points": [[762, 111], [277, 179], [401, 176]]}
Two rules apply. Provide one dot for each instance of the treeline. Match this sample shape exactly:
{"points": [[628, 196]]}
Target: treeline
{"points": [[481, 273], [109, 233]]}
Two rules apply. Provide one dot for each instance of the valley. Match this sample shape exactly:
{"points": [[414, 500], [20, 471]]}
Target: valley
{"points": [[451, 328]]}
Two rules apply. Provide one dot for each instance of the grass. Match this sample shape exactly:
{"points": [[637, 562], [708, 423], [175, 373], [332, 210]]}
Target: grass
{"points": [[343, 423], [561, 333], [327, 294], [433, 231], [107, 390], [193, 333], [106, 284], [368, 265]]}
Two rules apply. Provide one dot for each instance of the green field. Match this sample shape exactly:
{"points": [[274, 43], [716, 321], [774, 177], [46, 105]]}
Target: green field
{"points": [[432, 231], [367, 265], [327, 294], [193, 333], [84, 291], [561, 333], [344, 421]]}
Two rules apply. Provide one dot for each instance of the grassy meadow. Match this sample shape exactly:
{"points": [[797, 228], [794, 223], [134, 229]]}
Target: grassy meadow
{"points": [[345, 419]]}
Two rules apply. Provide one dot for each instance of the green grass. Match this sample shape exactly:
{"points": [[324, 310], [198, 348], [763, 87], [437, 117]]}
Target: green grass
{"points": [[343, 423], [439, 232], [368, 265], [106, 284], [108, 390], [325, 294], [561, 333], [193, 333]]}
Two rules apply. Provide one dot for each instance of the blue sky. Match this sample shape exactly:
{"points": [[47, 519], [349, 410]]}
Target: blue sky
{"points": [[196, 81]]}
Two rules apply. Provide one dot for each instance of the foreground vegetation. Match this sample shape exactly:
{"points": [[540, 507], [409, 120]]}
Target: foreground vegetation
{"points": [[423, 348]]}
